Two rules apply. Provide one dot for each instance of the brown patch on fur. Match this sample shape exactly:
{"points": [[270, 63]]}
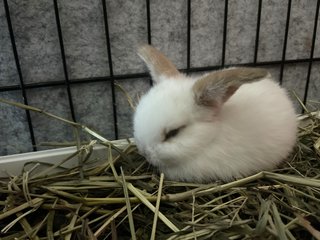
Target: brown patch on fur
{"points": [[217, 87], [157, 63]]}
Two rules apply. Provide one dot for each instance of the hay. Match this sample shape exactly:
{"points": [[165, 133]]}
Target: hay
{"points": [[124, 198]]}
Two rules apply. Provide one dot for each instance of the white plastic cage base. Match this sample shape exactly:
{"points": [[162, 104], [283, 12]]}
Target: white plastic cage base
{"points": [[12, 165]]}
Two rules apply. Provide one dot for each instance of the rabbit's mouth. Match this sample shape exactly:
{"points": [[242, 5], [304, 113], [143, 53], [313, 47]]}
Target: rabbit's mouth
{"points": [[156, 157], [153, 157], [147, 153]]}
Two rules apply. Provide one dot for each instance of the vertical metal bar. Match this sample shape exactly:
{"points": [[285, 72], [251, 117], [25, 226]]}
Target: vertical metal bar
{"points": [[63, 56], [17, 62], [188, 35], [284, 50], [149, 29], [256, 47], [148, 21], [114, 105], [311, 52], [224, 40]]}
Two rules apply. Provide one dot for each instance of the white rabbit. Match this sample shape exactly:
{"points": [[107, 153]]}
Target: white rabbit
{"points": [[224, 125]]}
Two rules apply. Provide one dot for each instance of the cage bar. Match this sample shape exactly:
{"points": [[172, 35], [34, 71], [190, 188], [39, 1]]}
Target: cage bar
{"points": [[314, 35], [148, 21], [114, 106], [284, 49], [188, 35], [256, 47], [224, 40], [149, 30], [64, 62], [144, 75], [21, 81]]}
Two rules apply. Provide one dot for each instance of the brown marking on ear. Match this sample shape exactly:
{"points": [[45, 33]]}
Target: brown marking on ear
{"points": [[157, 63], [216, 88]]}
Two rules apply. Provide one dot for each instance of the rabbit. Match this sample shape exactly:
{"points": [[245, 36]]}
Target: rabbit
{"points": [[224, 125]]}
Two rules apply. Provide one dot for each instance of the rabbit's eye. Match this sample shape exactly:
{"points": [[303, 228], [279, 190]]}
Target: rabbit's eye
{"points": [[172, 133]]}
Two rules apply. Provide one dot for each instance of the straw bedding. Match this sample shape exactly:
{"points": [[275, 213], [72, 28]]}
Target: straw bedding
{"points": [[124, 198]]}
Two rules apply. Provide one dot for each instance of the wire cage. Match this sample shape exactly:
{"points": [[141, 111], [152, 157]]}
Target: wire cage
{"points": [[290, 14]]}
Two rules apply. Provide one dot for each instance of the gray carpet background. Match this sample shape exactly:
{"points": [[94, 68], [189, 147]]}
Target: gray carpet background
{"points": [[82, 26]]}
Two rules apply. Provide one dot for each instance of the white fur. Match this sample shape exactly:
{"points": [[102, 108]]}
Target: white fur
{"points": [[255, 130]]}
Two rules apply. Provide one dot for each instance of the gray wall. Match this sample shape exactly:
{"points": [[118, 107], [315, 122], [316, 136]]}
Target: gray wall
{"points": [[85, 45]]}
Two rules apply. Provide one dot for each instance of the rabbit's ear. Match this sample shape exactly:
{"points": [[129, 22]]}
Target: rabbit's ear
{"points": [[159, 66], [216, 88]]}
